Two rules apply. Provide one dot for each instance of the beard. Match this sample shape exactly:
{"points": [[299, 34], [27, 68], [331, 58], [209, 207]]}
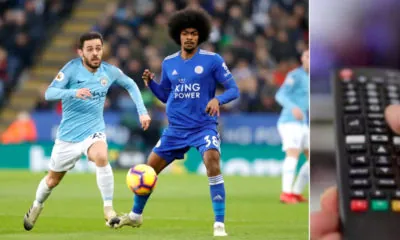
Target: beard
{"points": [[189, 49], [92, 66]]}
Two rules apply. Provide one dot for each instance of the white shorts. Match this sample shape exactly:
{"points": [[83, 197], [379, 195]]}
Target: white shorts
{"points": [[294, 135], [65, 154]]}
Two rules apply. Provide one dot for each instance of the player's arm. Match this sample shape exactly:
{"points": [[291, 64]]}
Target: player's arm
{"points": [[162, 90], [282, 95], [133, 90], [58, 88], [224, 77]]}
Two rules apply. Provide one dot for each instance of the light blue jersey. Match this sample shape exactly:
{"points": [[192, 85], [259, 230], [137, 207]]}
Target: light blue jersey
{"points": [[294, 92], [81, 118]]}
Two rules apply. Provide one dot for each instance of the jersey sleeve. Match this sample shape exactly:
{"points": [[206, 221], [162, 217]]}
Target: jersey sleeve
{"points": [[58, 89], [162, 90], [129, 84], [222, 75], [284, 92]]}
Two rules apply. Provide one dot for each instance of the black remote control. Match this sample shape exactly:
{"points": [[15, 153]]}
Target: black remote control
{"points": [[367, 153]]}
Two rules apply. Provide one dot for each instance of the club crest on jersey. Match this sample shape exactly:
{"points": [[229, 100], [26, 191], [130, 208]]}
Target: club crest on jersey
{"points": [[103, 82], [60, 76], [198, 69]]}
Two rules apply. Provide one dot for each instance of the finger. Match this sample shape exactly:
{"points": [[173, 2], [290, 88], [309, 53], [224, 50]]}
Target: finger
{"points": [[332, 236], [323, 223], [392, 116], [218, 112], [329, 201], [146, 125], [208, 109]]}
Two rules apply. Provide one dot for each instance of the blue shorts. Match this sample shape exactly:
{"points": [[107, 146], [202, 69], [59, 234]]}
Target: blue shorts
{"points": [[173, 143]]}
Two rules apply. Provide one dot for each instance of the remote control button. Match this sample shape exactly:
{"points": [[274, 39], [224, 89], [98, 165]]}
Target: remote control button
{"points": [[355, 139], [386, 183], [377, 123], [396, 205], [379, 138], [351, 101], [353, 124], [362, 79], [372, 93], [383, 161], [359, 172], [396, 140], [393, 95], [360, 183], [373, 100], [384, 172], [359, 160], [378, 80], [380, 149], [346, 74], [396, 194], [392, 88], [358, 194], [355, 147], [378, 130], [371, 86], [378, 194], [352, 108], [380, 205], [359, 205], [374, 108], [376, 116], [394, 101], [350, 93]]}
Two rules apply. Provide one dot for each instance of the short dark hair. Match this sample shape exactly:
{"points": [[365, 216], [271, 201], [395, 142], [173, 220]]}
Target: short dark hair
{"points": [[198, 19], [89, 36]]}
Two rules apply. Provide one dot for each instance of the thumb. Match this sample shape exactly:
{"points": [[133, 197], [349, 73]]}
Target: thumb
{"points": [[392, 116]]}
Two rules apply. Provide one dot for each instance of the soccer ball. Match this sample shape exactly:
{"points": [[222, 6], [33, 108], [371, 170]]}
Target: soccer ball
{"points": [[141, 179]]}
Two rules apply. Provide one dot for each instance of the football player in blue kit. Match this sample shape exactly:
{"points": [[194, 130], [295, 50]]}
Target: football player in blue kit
{"points": [[82, 85], [187, 85]]}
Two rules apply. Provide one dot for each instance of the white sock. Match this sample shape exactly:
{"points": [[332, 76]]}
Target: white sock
{"points": [[302, 178], [42, 193], [105, 182], [134, 216], [288, 174]]}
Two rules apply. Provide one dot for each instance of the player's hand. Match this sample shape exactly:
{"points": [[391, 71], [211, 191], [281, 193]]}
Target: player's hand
{"points": [[147, 77], [324, 224], [213, 107], [145, 121], [83, 93], [297, 113]]}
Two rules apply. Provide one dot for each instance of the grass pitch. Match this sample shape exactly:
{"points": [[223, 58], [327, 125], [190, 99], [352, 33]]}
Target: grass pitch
{"points": [[180, 208]]}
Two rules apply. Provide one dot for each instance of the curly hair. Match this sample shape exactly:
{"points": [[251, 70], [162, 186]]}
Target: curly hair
{"points": [[89, 36], [198, 19]]}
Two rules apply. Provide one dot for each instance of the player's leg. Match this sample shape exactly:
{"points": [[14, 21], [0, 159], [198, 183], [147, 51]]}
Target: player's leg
{"points": [[166, 151], [291, 134], [304, 173], [208, 143], [63, 158], [46, 185], [97, 152], [135, 217]]}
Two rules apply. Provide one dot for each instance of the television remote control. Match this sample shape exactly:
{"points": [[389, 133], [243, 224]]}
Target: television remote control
{"points": [[367, 153]]}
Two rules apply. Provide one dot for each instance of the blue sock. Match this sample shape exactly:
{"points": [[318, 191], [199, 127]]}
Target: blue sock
{"points": [[217, 191], [139, 203]]}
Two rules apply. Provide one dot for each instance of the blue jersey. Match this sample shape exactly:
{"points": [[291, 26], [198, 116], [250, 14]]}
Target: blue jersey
{"points": [[189, 85], [81, 118], [294, 92]]}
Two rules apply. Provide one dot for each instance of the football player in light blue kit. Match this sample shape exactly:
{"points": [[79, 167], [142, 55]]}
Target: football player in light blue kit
{"points": [[82, 85], [187, 86], [293, 128]]}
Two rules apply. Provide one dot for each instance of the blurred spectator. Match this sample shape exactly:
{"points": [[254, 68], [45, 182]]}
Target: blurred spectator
{"points": [[23, 129], [24, 25]]}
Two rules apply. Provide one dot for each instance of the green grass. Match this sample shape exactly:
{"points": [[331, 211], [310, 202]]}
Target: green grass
{"points": [[180, 208]]}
